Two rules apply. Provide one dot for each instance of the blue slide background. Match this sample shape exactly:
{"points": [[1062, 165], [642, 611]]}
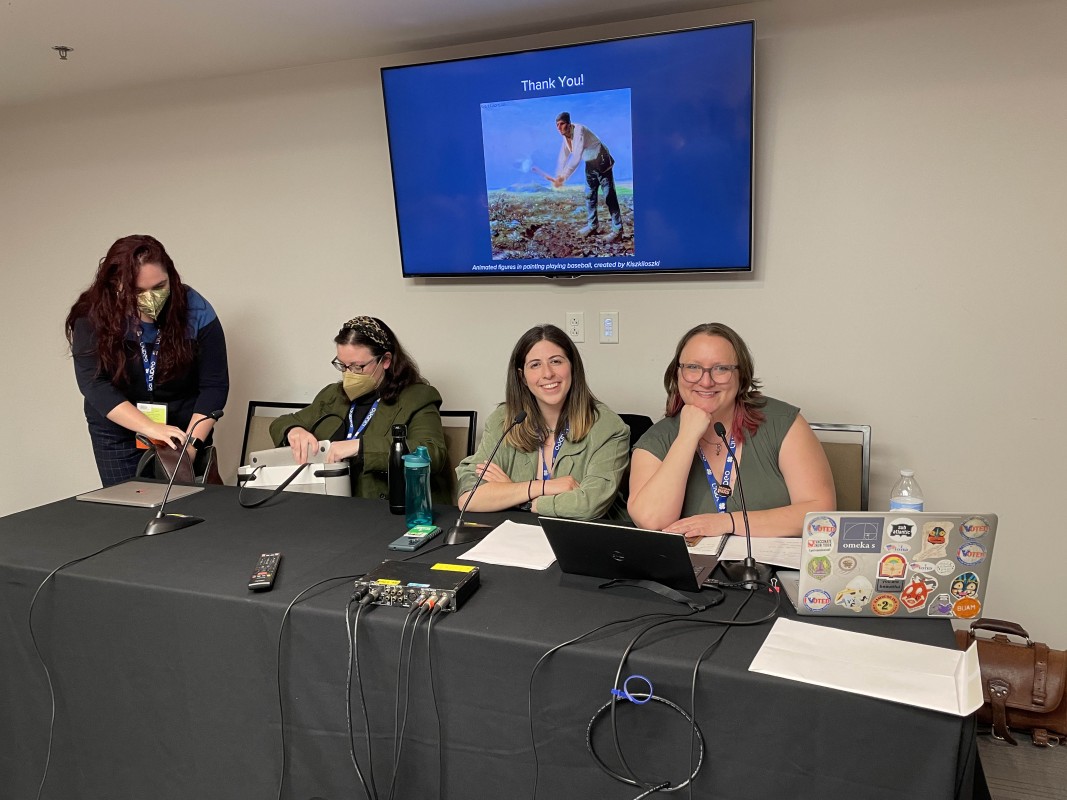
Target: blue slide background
{"points": [[691, 107]]}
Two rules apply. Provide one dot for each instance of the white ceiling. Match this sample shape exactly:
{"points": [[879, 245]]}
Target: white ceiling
{"points": [[127, 43]]}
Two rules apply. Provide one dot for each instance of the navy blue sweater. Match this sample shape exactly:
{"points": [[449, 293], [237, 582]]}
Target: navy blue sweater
{"points": [[201, 389]]}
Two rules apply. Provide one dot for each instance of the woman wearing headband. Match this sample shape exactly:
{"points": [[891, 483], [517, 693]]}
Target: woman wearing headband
{"points": [[149, 357], [567, 457], [683, 477], [380, 387]]}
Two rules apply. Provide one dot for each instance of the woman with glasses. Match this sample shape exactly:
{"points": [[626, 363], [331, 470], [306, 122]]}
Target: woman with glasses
{"points": [[569, 454], [683, 477], [380, 387]]}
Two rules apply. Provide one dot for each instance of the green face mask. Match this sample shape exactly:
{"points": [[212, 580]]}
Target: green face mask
{"points": [[150, 302]]}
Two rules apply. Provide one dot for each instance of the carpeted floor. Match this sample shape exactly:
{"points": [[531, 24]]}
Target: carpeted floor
{"points": [[1024, 772]]}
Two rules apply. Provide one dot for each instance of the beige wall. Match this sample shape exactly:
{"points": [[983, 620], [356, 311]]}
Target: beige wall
{"points": [[910, 200]]}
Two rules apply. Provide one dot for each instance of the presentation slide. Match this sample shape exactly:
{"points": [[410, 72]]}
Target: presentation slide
{"points": [[630, 155]]}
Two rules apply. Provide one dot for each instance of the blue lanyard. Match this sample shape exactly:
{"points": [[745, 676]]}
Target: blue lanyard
{"points": [[720, 491], [546, 475], [149, 363], [351, 424]]}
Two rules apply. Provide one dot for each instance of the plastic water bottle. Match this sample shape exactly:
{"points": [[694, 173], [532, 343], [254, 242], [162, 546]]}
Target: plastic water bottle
{"points": [[417, 487], [906, 494], [397, 450]]}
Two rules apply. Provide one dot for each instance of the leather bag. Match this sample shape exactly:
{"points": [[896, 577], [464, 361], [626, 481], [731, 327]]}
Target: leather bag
{"points": [[160, 461], [1022, 684]]}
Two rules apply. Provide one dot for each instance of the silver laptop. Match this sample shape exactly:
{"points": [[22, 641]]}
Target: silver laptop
{"points": [[895, 564], [142, 494], [283, 456], [603, 550]]}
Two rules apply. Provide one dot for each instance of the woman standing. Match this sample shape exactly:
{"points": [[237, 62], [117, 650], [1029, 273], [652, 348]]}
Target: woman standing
{"points": [[149, 356], [682, 476], [568, 456]]}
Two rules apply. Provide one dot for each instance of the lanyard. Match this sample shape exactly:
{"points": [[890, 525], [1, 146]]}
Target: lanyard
{"points": [[149, 363], [545, 473], [720, 491], [370, 415]]}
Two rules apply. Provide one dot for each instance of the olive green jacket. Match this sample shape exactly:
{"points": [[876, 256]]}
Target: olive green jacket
{"points": [[417, 406], [598, 462]]}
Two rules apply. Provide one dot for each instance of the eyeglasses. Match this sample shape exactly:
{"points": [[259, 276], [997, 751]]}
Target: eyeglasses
{"points": [[354, 368], [720, 373], [556, 362]]}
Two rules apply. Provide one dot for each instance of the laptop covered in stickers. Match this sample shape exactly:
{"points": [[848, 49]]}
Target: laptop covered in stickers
{"points": [[895, 564]]}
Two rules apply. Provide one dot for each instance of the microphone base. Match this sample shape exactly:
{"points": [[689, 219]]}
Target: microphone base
{"points": [[170, 522], [749, 573], [467, 532]]}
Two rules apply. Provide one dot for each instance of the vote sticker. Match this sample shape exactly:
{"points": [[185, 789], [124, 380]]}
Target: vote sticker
{"points": [[975, 527], [971, 554], [821, 526], [817, 600]]}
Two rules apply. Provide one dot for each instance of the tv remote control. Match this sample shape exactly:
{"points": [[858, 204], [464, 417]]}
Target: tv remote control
{"points": [[263, 575]]}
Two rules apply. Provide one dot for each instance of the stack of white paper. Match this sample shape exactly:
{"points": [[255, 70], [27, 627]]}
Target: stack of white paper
{"points": [[914, 674], [784, 552], [513, 545]]}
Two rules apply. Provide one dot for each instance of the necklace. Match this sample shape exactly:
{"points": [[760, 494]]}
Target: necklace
{"points": [[716, 445]]}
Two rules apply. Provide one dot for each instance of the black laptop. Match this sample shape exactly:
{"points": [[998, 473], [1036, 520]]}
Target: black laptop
{"points": [[603, 550]]}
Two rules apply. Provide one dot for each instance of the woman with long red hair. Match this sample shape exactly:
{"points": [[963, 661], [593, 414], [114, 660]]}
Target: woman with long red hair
{"points": [[149, 356], [682, 474]]}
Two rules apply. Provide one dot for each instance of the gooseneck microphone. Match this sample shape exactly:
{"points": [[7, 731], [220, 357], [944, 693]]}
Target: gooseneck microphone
{"points": [[746, 572], [164, 523], [464, 532]]}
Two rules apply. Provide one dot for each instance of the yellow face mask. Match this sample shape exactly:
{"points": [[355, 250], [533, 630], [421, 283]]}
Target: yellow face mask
{"points": [[358, 385], [151, 301]]}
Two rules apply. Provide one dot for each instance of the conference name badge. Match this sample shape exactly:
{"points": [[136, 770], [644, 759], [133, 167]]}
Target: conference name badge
{"points": [[157, 412]]}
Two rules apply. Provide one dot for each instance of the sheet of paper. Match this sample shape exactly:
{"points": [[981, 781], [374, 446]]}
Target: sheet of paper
{"points": [[920, 675], [783, 552], [513, 545]]}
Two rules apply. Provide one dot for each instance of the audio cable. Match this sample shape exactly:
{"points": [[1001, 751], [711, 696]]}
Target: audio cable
{"points": [[40, 657], [726, 625], [278, 667], [352, 629], [568, 643], [416, 613]]}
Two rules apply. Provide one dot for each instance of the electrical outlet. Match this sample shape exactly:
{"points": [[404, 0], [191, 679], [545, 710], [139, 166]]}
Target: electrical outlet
{"points": [[575, 326], [609, 327]]}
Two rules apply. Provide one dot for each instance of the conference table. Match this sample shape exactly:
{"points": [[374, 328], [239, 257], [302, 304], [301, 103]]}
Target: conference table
{"points": [[172, 679]]}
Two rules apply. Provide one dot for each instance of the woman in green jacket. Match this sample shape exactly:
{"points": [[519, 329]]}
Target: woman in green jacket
{"points": [[570, 452], [381, 387]]}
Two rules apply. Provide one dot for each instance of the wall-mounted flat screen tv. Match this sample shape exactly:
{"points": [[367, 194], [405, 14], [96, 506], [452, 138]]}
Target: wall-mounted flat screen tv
{"points": [[627, 155]]}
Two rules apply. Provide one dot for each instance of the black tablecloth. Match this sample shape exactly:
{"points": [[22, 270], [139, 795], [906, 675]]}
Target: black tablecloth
{"points": [[164, 667]]}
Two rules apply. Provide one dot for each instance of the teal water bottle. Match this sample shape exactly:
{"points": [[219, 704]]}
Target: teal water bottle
{"points": [[417, 487]]}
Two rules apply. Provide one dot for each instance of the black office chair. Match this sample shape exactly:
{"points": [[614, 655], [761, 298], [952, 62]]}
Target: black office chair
{"points": [[261, 413], [638, 424]]}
